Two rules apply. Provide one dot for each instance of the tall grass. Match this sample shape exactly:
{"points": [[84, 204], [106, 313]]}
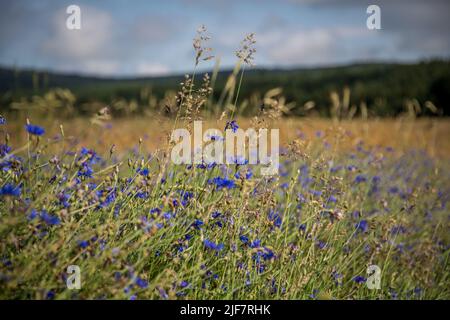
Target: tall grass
{"points": [[140, 227]]}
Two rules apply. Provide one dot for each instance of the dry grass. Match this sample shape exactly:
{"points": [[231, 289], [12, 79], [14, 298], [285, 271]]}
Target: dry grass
{"points": [[401, 134]]}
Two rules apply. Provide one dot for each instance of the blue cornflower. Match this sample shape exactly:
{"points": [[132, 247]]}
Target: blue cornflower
{"points": [[243, 238], [359, 279], [7, 262], [33, 214], [261, 268], [141, 195], [393, 190], [143, 172], [211, 165], [361, 226], [215, 214], [92, 185], [332, 199], [49, 219], [314, 293], [10, 190], [4, 150], [321, 244], [335, 169], [93, 158], [316, 193], [167, 215], [184, 284], [267, 254], [275, 218], [255, 244], [360, 178], [417, 291], [110, 198], [64, 199], [201, 166], [155, 211], [35, 130], [50, 295], [211, 245], [83, 244], [376, 179], [248, 174], [232, 125], [223, 183], [394, 295], [85, 171], [239, 160], [141, 283], [197, 224], [398, 230], [337, 278], [2, 120], [185, 197]]}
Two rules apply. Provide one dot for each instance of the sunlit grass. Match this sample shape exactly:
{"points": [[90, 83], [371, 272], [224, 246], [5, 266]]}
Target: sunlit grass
{"points": [[294, 236], [101, 193]]}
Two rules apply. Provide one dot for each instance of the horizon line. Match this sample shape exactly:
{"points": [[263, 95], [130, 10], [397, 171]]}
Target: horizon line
{"points": [[175, 74]]}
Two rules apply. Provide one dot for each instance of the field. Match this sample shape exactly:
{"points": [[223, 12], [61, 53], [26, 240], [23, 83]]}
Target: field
{"points": [[92, 205], [402, 133], [349, 195]]}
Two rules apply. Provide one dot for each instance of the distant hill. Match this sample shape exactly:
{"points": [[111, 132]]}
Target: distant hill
{"points": [[384, 87]]}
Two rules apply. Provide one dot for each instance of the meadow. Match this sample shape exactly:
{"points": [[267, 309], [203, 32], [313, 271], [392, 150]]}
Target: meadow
{"points": [[140, 227], [101, 193]]}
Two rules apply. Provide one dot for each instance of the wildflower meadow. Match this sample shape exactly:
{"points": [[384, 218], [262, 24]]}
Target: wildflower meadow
{"points": [[82, 217]]}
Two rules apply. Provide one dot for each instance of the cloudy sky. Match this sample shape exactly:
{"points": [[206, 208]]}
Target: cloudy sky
{"points": [[144, 37]]}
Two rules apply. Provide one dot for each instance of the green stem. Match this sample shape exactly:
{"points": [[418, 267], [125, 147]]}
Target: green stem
{"points": [[237, 93]]}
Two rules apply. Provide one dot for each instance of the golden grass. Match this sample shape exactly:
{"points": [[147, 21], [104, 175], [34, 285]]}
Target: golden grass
{"points": [[401, 134]]}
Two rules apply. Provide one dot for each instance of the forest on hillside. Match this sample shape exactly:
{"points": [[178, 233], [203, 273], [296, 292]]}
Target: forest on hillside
{"points": [[386, 89]]}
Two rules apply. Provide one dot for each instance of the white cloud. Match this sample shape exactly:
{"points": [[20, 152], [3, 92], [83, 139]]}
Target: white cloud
{"points": [[314, 46], [102, 46], [151, 69], [86, 50], [87, 43], [311, 47], [123, 40]]}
